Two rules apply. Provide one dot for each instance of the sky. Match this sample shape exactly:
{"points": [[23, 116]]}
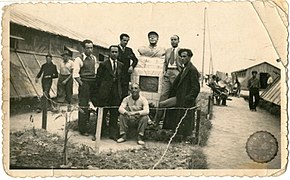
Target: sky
{"points": [[233, 32]]}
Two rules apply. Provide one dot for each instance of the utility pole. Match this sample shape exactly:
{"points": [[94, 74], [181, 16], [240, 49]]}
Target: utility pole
{"points": [[202, 72]]}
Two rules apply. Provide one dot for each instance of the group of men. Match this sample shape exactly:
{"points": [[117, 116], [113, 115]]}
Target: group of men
{"points": [[106, 85]]}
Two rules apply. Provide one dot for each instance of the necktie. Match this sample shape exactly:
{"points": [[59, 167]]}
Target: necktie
{"points": [[114, 67], [172, 56]]}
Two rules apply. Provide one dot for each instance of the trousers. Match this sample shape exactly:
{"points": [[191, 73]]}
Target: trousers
{"points": [[126, 122], [254, 98], [87, 92]]}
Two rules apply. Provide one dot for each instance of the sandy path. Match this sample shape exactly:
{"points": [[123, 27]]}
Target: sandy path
{"points": [[232, 125]]}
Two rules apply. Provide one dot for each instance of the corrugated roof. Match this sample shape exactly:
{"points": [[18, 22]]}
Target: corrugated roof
{"points": [[273, 93], [31, 21]]}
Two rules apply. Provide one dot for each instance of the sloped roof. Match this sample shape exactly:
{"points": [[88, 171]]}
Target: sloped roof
{"points": [[273, 93], [255, 66], [27, 20]]}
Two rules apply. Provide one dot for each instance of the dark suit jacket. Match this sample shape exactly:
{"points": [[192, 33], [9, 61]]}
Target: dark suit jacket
{"points": [[177, 58], [186, 86], [106, 80], [125, 57]]}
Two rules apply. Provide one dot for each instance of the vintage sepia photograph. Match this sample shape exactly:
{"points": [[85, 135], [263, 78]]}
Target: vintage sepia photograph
{"points": [[183, 88]]}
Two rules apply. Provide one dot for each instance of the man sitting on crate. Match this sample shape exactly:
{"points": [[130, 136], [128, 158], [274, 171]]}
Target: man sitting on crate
{"points": [[133, 110]]}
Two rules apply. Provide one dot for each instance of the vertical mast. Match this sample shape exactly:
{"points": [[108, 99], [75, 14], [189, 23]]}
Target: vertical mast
{"points": [[202, 72]]}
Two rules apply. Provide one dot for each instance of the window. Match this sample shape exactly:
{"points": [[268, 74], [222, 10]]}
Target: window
{"points": [[14, 41]]}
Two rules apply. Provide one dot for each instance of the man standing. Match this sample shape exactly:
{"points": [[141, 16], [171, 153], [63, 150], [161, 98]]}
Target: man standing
{"points": [[172, 67], [49, 72], [254, 87], [183, 94], [65, 80], [152, 50], [126, 55], [134, 110], [110, 92], [85, 71]]}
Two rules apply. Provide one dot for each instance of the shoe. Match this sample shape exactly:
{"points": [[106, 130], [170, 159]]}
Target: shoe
{"points": [[94, 138], [140, 140], [123, 138]]}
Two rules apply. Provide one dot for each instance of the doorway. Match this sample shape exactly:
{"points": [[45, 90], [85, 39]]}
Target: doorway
{"points": [[263, 80]]}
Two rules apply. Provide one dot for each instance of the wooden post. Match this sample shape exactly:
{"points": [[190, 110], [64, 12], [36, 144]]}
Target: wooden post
{"points": [[208, 107], [99, 129], [197, 126], [44, 112]]}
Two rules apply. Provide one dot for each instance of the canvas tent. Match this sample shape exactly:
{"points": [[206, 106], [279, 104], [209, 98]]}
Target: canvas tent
{"points": [[30, 40]]}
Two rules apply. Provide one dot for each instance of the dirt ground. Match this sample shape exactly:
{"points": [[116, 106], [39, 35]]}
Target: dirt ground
{"points": [[232, 126], [22, 121]]}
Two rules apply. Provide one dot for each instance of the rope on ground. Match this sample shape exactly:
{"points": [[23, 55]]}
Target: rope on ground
{"points": [[171, 138]]}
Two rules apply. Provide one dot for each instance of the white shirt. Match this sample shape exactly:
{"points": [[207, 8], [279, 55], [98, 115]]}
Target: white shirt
{"points": [[78, 63], [174, 65], [66, 68], [130, 105], [112, 63]]}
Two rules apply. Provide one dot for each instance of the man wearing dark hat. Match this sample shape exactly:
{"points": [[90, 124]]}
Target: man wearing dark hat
{"points": [[254, 87], [152, 50], [65, 80], [48, 72], [85, 71]]}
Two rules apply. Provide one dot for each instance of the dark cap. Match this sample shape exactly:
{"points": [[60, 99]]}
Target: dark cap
{"points": [[153, 33], [49, 55], [254, 72]]}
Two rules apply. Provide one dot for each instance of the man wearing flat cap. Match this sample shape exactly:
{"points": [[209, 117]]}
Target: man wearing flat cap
{"points": [[254, 87], [65, 80], [152, 50]]}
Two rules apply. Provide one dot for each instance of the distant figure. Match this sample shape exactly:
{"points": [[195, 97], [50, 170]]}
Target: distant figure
{"points": [[48, 72], [183, 94], [85, 70], [110, 91], [126, 55], [254, 87], [65, 80], [152, 50], [270, 80], [237, 85], [172, 67], [228, 82], [133, 110]]}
